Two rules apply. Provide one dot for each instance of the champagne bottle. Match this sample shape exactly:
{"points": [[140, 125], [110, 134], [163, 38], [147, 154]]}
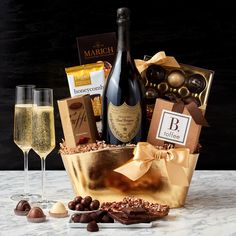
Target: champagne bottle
{"points": [[124, 110]]}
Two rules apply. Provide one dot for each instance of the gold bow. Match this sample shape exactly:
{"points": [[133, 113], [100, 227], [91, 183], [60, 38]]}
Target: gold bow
{"points": [[159, 58], [145, 154]]}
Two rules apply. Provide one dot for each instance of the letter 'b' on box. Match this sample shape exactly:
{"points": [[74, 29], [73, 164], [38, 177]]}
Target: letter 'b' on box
{"points": [[173, 127]]}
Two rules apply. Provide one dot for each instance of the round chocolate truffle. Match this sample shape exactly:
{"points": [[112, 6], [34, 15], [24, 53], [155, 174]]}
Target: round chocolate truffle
{"points": [[79, 207], [36, 215], [94, 205], [22, 208], [71, 205], [155, 74], [77, 199], [196, 83], [76, 218], [86, 201], [85, 218], [92, 226], [176, 78]]}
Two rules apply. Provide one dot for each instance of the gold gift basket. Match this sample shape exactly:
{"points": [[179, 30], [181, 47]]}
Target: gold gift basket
{"points": [[163, 176]]}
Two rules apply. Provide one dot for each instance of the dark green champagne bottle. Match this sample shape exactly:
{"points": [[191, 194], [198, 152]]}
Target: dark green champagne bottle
{"points": [[124, 109]]}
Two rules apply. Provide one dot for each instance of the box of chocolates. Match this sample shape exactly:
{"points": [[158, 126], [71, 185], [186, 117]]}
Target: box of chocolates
{"points": [[78, 120], [165, 78]]}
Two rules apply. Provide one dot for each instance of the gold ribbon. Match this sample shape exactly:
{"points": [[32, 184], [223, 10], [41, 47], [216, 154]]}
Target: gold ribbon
{"points": [[159, 58], [144, 154]]}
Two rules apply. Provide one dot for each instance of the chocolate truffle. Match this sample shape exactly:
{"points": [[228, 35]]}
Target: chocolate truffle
{"points": [[92, 226], [36, 215], [94, 205], [22, 208], [85, 218], [76, 218], [71, 205], [176, 78], [79, 207], [95, 216], [155, 74], [58, 210], [77, 199], [196, 83], [86, 201]]}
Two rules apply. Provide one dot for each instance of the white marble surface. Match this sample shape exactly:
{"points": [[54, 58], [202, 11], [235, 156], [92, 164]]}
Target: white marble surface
{"points": [[210, 207]]}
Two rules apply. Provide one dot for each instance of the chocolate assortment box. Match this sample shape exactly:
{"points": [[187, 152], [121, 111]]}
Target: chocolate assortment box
{"points": [[165, 78]]}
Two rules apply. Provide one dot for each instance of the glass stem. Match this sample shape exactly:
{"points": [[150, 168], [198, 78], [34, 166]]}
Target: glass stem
{"points": [[43, 178], [26, 187]]}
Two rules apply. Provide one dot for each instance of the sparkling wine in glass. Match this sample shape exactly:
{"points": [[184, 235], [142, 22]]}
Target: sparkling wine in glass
{"points": [[23, 132], [43, 132]]}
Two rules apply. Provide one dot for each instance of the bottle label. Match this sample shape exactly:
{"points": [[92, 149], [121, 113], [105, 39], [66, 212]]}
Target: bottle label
{"points": [[124, 121]]}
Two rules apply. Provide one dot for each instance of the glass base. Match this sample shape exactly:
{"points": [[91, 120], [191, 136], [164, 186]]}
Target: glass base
{"points": [[27, 197], [44, 204]]}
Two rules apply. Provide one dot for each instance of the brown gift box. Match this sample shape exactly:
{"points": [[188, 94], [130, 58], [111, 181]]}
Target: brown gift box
{"points": [[78, 120], [177, 128], [92, 173]]}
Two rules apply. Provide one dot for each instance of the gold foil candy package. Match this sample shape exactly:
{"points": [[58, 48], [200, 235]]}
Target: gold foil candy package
{"points": [[86, 79]]}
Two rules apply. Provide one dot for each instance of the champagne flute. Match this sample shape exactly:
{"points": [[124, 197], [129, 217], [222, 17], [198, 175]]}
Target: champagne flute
{"points": [[43, 132], [23, 132]]}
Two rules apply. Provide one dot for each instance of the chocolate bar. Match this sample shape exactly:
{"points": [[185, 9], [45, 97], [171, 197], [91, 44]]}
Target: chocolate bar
{"points": [[135, 215], [135, 210]]}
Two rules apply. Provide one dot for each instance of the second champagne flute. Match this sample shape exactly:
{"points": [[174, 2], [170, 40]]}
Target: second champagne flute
{"points": [[43, 131]]}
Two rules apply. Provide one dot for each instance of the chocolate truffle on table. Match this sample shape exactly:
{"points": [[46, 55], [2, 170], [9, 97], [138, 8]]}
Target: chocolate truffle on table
{"points": [[94, 205], [85, 218], [58, 210], [71, 205], [79, 207], [36, 215], [86, 201], [92, 226], [78, 199], [22, 208], [76, 218]]}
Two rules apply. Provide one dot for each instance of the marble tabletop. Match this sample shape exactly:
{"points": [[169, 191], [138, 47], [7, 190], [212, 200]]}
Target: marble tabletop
{"points": [[210, 207]]}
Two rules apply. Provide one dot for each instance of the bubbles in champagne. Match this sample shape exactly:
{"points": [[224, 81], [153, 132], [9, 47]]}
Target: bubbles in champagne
{"points": [[23, 126], [43, 138]]}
